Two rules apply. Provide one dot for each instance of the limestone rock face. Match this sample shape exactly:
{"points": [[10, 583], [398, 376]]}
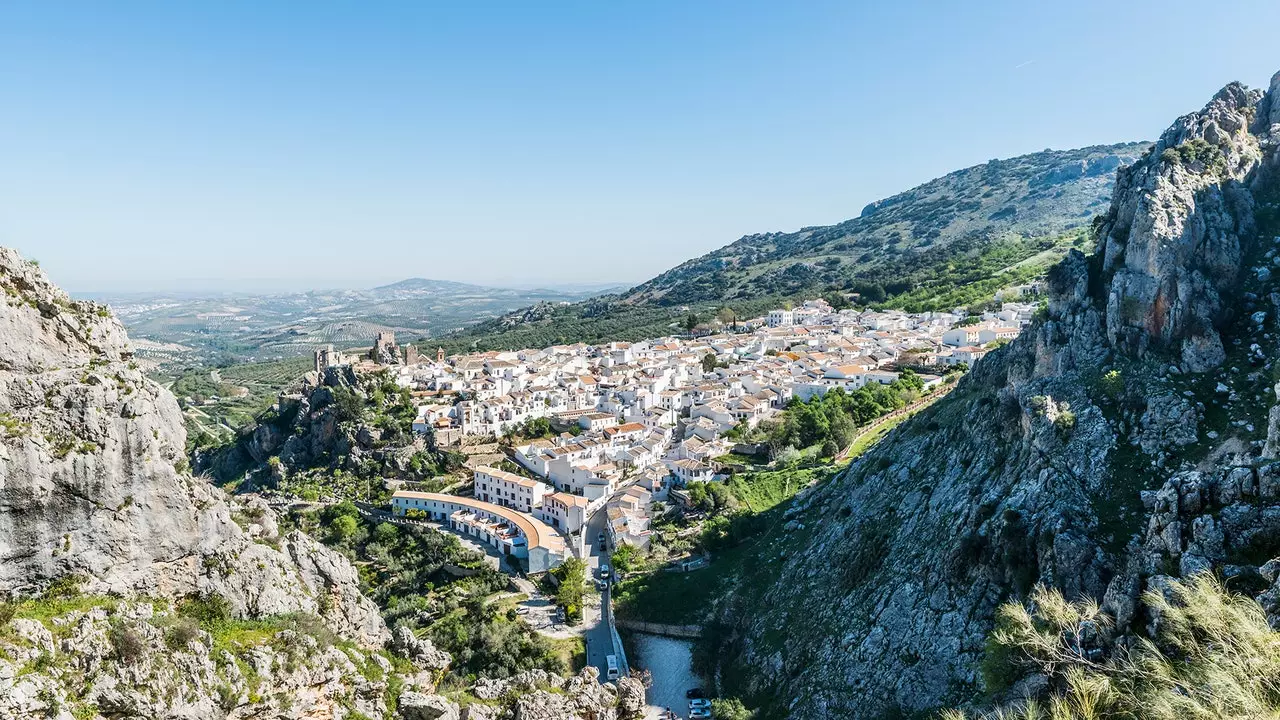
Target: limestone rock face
{"points": [[93, 478], [1122, 438], [417, 706], [1174, 234], [123, 659]]}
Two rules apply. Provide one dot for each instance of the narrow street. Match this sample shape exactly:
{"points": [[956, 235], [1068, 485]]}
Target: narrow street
{"points": [[594, 615]]}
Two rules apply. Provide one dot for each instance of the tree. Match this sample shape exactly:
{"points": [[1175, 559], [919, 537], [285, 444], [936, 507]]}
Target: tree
{"points": [[837, 300], [691, 321], [626, 558], [842, 430], [730, 709], [572, 574], [909, 379], [385, 533], [347, 404], [708, 362], [345, 527], [728, 316]]}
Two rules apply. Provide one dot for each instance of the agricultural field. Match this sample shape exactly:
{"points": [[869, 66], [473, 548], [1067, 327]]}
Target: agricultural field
{"points": [[217, 402], [186, 330]]}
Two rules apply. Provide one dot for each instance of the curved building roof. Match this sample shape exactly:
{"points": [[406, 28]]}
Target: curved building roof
{"points": [[538, 533]]}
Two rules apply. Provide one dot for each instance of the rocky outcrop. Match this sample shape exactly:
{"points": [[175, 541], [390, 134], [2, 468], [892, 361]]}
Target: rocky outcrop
{"points": [[102, 657], [93, 479], [332, 420], [1150, 371], [420, 650], [120, 659], [1175, 233]]}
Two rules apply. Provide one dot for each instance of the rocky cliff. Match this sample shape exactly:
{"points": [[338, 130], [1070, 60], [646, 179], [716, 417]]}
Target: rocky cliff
{"points": [[95, 483], [1123, 438]]}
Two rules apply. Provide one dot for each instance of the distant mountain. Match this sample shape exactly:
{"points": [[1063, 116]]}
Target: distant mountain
{"points": [[434, 286], [952, 240]]}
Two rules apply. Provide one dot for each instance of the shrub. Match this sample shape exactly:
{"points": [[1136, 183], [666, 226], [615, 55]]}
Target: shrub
{"points": [[210, 611], [1213, 656], [1065, 422], [127, 643], [1111, 384], [730, 709], [180, 634]]}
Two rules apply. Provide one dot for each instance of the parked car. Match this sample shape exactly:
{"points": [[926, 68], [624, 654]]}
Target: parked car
{"points": [[695, 693], [602, 585], [699, 703], [700, 713], [600, 540], [522, 610], [604, 572]]}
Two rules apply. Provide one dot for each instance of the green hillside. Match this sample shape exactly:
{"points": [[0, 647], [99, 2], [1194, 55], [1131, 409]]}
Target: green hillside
{"points": [[953, 240]]}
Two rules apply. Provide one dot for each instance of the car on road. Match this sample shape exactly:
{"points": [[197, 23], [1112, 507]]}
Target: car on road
{"points": [[699, 703], [699, 713], [602, 585], [604, 572], [600, 540], [695, 693]]}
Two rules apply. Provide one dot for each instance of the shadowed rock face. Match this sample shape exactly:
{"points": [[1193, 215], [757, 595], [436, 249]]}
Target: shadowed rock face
{"points": [[1033, 469], [93, 480]]}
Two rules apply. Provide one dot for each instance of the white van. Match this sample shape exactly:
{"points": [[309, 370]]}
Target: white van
{"points": [[612, 663]]}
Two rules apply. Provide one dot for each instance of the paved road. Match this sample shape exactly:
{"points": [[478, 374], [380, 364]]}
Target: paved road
{"points": [[595, 624]]}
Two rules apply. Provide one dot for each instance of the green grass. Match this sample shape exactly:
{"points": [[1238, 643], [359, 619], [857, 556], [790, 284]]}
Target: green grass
{"points": [[686, 598], [680, 598], [865, 441], [761, 491]]}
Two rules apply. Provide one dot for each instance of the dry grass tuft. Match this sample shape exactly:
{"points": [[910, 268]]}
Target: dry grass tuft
{"points": [[1214, 658]]}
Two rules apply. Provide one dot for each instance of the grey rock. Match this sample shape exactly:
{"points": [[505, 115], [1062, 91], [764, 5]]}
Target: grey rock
{"points": [[95, 484], [419, 706]]}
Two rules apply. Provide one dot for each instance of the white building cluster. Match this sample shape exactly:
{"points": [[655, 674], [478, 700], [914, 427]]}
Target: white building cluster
{"points": [[655, 413]]}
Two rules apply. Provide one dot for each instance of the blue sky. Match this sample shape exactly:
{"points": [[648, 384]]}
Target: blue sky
{"points": [[149, 145]]}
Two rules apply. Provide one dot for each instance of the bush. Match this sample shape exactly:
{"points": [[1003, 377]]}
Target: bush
{"points": [[730, 709], [210, 611], [1111, 384], [1065, 422], [1213, 656], [180, 634], [127, 644]]}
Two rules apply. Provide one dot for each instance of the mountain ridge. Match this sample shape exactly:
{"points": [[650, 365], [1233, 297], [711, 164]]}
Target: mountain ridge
{"points": [[1009, 211], [1128, 437]]}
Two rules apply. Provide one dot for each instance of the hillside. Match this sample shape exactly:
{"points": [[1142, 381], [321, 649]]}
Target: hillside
{"points": [[1125, 440], [1012, 217], [1031, 196]]}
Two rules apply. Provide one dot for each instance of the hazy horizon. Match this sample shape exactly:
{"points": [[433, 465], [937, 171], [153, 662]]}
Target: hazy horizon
{"points": [[209, 287], [159, 147]]}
